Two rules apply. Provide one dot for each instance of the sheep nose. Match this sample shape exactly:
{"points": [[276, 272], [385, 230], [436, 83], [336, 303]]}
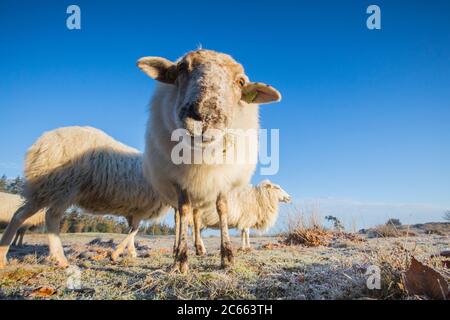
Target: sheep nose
{"points": [[191, 112]]}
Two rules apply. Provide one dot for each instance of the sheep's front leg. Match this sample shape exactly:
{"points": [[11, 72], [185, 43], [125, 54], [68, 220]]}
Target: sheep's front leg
{"points": [[199, 246], [52, 221], [226, 249], [177, 232], [185, 210]]}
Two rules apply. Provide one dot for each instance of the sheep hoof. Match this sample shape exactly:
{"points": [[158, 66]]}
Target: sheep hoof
{"points": [[181, 259], [200, 250], [227, 256], [133, 254], [63, 264], [115, 256], [184, 267], [3, 259], [58, 261], [227, 263]]}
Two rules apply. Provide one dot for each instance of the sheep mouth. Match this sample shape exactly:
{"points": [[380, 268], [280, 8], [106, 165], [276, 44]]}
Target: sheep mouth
{"points": [[286, 200]]}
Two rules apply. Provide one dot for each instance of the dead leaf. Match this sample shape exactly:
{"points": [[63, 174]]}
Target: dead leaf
{"points": [[165, 251], [423, 280], [446, 263], [271, 246], [42, 292], [445, 253]]}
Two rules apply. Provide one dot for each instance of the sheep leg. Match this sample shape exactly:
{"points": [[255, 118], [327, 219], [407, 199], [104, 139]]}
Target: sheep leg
{"points": [[199, 246], [22, 214], [185, 210], [247, 238], [128, 242], [21, 234], [14, 243], [177, 231], [131, 243], [226, 249], [52, 221], [243, 242]]}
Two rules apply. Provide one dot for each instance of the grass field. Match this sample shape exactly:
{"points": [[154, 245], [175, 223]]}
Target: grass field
{"points": [[269, 271]]}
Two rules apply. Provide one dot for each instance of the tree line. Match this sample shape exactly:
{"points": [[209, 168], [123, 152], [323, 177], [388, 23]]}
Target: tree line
{"points": [[76, 221], [14, 186]]}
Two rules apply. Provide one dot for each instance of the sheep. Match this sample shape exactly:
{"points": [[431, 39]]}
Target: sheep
{"points": [[83, 166], [9, 203], [206, 96], [249, 207]]}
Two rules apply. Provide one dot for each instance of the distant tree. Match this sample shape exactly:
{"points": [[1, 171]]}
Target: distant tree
{"points": [[447, 215], [16, 186], [3, 184], [393, 222], [156, 229], [337, 224], [76, 221]]}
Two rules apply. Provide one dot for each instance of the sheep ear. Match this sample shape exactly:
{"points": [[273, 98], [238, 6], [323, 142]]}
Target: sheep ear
{"points": [[266, 183], [256, 92], [158, 68]]}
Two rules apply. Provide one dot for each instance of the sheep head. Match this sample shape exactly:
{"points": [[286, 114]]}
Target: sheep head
{"points": [[276, 190], [210, 87]]}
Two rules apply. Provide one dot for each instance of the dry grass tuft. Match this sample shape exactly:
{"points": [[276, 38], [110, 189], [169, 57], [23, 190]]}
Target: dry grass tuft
{"points": [[392, 263], [306, 230], [310, 237], [390, 231]]}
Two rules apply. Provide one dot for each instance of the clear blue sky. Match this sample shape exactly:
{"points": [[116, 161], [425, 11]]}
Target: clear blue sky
{"points": [[365, 114]]}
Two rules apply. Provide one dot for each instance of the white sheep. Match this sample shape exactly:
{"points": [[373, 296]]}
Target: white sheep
{"points": [[205, 94], [253, 207], [83, 166], [9, 203]]}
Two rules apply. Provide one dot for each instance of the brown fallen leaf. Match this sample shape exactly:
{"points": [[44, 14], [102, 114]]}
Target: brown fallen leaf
{"points": [[446, 263], [445, 253], [423, 280], [42, 292]]}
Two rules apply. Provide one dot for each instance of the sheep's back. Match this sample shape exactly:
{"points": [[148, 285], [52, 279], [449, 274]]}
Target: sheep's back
{"points": [[62, 147], [64, 161]]}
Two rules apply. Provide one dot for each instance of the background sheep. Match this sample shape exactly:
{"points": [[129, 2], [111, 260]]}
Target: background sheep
{"points": [[250, 207], [205, 93], [9, 203], [83, 166]]}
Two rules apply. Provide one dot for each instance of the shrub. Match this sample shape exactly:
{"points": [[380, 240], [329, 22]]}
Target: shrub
{"points": [[306, 230], [393, 222]]}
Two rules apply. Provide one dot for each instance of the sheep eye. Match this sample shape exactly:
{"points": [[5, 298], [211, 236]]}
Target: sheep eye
{"points": [[241, 82], [182, 66]]}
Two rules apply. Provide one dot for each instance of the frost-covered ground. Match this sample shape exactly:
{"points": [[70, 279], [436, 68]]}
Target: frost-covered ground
{"points": [[269, 271]]}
